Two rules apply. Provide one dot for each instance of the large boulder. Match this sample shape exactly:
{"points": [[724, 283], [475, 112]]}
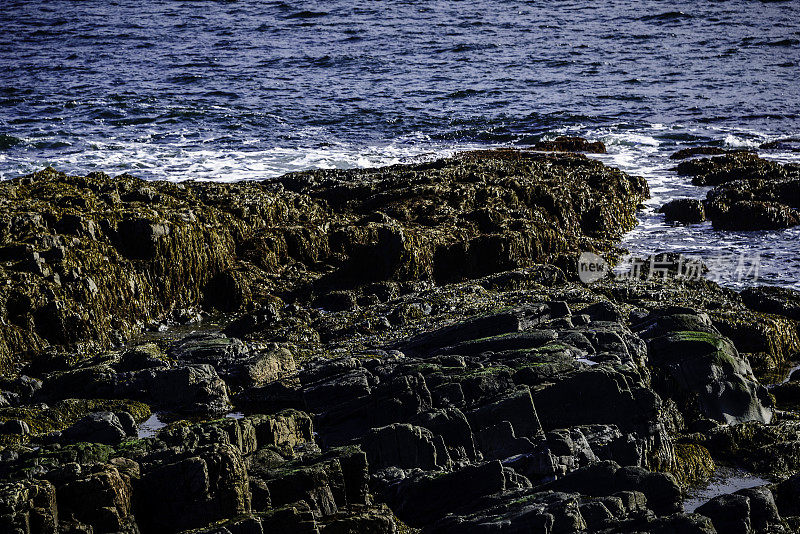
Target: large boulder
{"points": [[189, 490], [424, 498], [404, 446], [98, 427], [194, 388], [101, 499], [708, 366]]}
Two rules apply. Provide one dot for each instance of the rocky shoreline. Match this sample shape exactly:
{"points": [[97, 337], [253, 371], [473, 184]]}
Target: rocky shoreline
{"points": [[385, 350], [748, 192]]}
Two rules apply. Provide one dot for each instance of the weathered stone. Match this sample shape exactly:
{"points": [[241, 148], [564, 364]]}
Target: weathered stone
{"points": [[710, 367], [729, 513], [422, 499], [571, 144], [404, 446], [192, 491], [755, 215], [102, 500]]}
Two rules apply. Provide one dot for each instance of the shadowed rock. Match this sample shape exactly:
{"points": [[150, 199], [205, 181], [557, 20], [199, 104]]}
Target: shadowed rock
{"points": [[684, 210]]}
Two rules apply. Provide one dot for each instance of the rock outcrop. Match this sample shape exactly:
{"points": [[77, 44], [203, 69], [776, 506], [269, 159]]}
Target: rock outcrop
{"points": [[88, 260], [684, 210], [750, 193], [391, 349]]}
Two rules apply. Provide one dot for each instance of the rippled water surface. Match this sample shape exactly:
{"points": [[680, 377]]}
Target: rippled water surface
{"points": [[250, 89]]}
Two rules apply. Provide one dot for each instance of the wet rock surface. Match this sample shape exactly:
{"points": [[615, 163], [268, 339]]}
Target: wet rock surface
{"points": [[88, 260], [571, 144], [391, 350], [749, 192], [684, 210]]}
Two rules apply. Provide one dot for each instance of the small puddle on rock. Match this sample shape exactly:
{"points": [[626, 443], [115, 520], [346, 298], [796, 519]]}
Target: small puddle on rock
{"points": [[150, 428], [789, 374], [725, 480], [159, 420]]}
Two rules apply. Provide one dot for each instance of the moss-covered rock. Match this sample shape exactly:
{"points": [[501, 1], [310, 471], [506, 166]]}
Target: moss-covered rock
{"points": [[88, 260], [42, 419], [693, 463], [707, 367]]}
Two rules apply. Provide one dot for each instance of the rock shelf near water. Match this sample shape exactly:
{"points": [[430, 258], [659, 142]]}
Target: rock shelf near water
{"points": [[749, 192], [409, 347]]}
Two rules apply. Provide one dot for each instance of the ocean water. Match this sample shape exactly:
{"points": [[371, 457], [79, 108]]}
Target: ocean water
{"points": [[250, 89]]}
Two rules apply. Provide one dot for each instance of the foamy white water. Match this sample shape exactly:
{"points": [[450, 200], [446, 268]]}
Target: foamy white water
{"points": [[736, 259]]}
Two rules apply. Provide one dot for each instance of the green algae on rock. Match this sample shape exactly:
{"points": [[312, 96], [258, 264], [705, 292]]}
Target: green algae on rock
{"points": [[89, 260]]}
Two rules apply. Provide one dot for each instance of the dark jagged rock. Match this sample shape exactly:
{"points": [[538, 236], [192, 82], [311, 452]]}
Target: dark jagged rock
{"points": [[684, 210], [213, 483], [516, 407], [571, 144], [519, 428], [405, 446], [750, 194], [607, 478], [188, 388], [685, 153], [421, 499], [535, 512], [755, 215], [729, 168], [745, 511]]}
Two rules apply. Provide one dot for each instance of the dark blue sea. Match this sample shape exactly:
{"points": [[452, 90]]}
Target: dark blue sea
{"points": [[250, 90]]}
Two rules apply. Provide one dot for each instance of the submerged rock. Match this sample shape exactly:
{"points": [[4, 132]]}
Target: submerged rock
{"points": [[686, 153], [791, 144]]}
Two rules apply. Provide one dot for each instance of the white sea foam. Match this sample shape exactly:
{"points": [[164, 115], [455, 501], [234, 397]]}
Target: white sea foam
{"points": [[177, 163], [734, 141]]}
